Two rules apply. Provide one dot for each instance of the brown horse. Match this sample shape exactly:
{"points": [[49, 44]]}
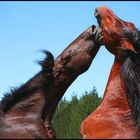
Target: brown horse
{"points": [[118, 116], [27, 112]]}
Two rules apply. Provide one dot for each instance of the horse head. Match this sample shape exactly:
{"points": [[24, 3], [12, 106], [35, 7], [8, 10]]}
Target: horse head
{"points": [[117, 33]]}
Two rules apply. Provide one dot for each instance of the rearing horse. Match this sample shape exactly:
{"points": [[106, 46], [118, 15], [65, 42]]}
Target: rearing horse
{"points": [[26, 112], [118, 116]]}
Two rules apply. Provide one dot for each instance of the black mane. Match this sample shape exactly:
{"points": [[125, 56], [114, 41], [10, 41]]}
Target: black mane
{"points": [[130, 72], [38, 82], [133, 36]]}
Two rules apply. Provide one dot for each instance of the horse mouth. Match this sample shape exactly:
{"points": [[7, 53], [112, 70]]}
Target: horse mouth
{"points": [[101, 34], [97, 15]]}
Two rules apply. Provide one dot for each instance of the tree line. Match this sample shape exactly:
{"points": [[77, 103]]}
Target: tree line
{"points": [[70, 114]]}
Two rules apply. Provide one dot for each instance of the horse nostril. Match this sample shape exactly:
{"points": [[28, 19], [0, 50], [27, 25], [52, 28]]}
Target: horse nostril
{"points": [[96, 13]]}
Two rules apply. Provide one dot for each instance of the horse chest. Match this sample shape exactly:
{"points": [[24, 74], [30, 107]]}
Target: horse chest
{"points": [[112, 119], [115, 89], [109, 123]]}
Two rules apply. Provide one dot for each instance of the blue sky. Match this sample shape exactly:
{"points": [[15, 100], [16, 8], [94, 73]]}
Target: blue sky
{"points": [[27, 27]]}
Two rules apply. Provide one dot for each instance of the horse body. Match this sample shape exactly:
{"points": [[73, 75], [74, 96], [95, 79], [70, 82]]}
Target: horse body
{"points": [[23, 120], [112, 119], [118, 114], [27, 111], [21, 111]]}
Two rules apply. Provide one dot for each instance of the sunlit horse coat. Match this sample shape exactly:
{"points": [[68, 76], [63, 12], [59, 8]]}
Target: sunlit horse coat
{"points": [[27, 112], [118, 115]]}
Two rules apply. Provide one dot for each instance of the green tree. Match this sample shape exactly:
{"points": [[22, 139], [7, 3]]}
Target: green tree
{"points": [[70, 114], [75, 120]]}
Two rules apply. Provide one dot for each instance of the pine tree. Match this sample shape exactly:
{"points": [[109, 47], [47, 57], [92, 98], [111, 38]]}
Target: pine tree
{"points": [[70, 114]]}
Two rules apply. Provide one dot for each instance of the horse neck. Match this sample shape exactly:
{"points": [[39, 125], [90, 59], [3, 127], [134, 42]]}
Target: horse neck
{"points": [[32, 105], [27, 100], [115, 92]]}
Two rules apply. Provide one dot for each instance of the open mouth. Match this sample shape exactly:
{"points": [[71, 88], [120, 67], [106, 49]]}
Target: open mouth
{"points": [[99, 32], [96, 14]]}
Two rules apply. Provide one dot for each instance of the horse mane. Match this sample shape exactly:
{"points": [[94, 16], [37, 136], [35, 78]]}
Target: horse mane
{"points": [[38, 82], [133, 36], [130, 72]]}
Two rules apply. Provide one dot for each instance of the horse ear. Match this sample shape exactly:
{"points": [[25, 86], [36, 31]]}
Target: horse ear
{"points": [[126, 44], [48, 62], [125, 49], [133, 35]]}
